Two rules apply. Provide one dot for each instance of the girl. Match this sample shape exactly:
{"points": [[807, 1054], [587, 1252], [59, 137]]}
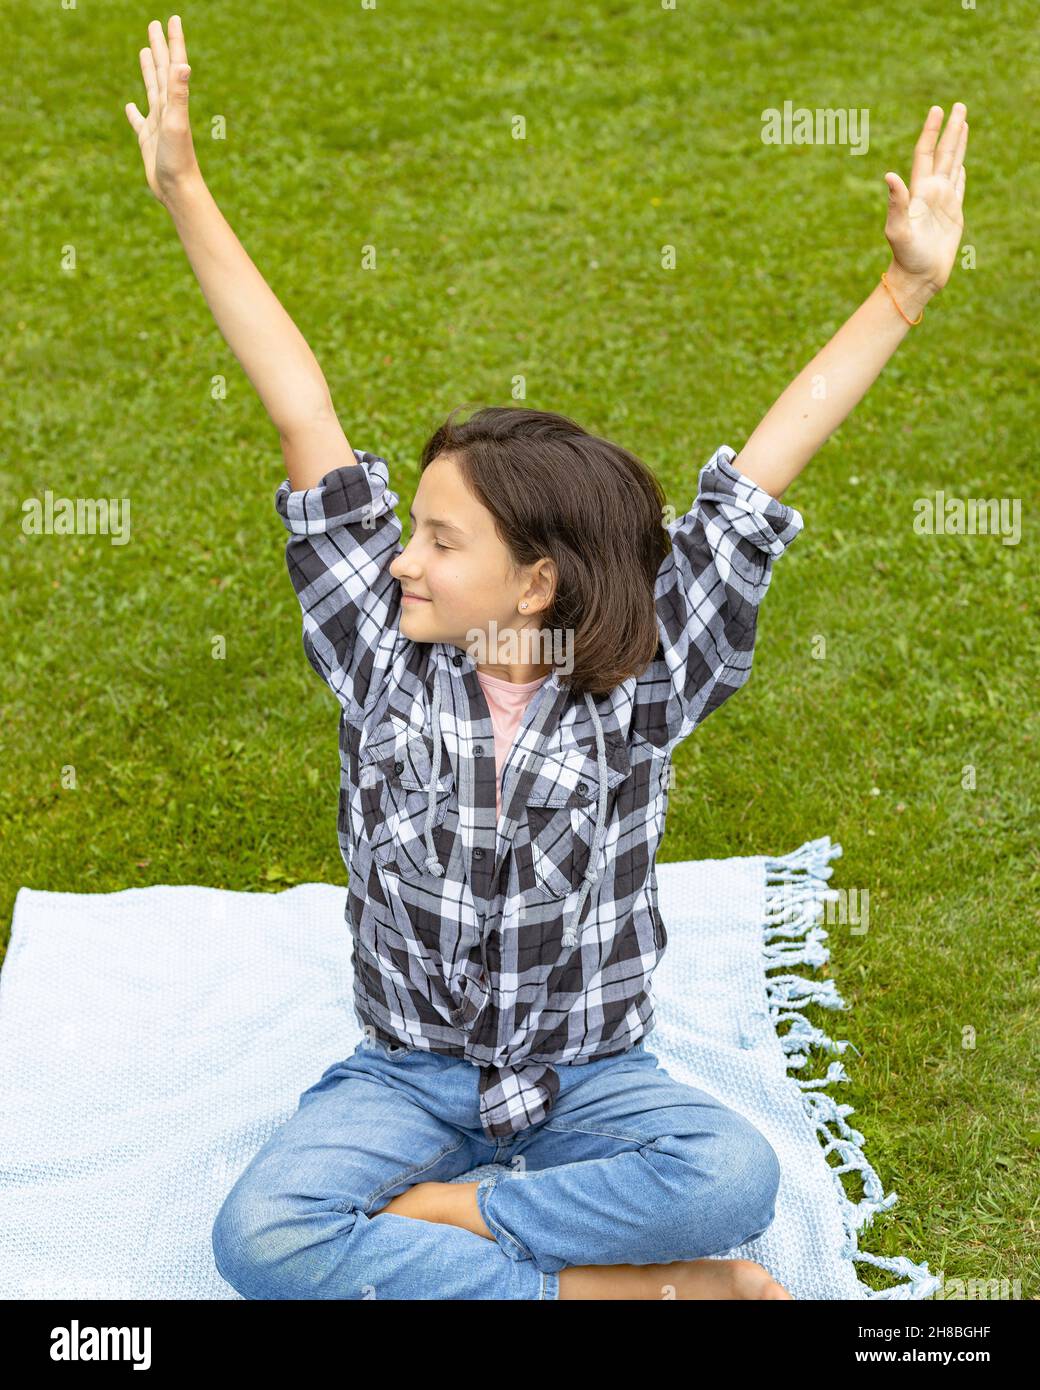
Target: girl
{"points": [[503, 798]]}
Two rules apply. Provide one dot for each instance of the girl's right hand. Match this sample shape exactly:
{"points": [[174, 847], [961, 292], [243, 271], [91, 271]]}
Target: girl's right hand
{"points": [[164, 134]]}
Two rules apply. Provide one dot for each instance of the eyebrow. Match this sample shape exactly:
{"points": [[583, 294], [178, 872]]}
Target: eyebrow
{"points": [[444, 525]]}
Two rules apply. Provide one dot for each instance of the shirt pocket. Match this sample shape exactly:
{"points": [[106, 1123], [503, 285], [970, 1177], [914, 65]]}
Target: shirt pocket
{"points": [[561, 814], [395, 770]]}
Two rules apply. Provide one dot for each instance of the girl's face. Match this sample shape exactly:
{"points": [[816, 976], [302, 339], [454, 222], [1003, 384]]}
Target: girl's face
{"points": [[455, 573]]}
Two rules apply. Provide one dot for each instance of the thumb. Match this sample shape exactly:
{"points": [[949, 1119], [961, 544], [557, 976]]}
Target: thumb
{"points": [[179, 87], [898, 193]]}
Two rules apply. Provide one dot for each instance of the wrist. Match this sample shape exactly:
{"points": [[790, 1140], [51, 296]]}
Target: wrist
{"points": [[912, 292], [179, 195]]}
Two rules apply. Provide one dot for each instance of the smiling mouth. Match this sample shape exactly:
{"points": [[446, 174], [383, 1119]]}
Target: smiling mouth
{"points": [[415, 598]]}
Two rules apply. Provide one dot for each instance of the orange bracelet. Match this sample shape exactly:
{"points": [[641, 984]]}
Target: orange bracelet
{"points": [[912, 322]]}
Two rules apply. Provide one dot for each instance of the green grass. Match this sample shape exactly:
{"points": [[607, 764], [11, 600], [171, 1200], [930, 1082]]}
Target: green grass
{"points": [[496, 258]]}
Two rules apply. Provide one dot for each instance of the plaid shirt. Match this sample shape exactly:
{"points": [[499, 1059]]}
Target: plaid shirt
{"points": [[530, 941]]}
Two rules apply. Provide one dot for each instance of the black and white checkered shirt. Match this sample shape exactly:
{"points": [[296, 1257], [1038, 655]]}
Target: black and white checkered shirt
{"points": [[530, 941]]}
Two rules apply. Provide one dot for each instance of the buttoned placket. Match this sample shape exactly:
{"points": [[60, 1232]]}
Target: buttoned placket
{"points": [[479, 844], [479, 831]]}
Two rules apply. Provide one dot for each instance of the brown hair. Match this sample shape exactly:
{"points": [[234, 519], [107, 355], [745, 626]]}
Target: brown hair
{"points": [[590, 506]]}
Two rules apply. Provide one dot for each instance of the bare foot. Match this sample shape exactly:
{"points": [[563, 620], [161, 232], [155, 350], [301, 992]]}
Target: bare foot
{"points": [[715, 1279], [705, 1279]]}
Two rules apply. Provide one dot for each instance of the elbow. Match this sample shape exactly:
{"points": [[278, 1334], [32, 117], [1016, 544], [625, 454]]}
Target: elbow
{"points": [[307, 415]]}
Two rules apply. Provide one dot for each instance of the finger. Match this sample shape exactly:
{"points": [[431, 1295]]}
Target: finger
{"points": [[137, 121], [958, 158], [942, 162], [179, 74], [898, 196], [178, 52], [922, 166], [151, 82], [960, 182], [160, 55]]}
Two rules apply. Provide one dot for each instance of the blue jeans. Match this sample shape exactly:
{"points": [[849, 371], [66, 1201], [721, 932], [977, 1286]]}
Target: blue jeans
{"points": [[629, 1167]]}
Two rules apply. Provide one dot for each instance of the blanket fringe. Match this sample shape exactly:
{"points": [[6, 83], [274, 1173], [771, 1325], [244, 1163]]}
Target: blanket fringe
{"points": [[796, 890]]}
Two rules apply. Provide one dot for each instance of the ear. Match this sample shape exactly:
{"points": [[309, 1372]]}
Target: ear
{"points": [[543, 582]]}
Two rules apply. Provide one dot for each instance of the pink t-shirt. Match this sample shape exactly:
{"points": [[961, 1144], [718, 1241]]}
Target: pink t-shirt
{"points": [[507, 703]]}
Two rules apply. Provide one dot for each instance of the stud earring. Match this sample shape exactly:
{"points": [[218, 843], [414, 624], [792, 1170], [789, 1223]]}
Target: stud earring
{"points": [[524, 604]]}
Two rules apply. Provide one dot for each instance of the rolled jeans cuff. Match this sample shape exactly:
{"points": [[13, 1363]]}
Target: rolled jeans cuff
{"points": [[505, 1239]]}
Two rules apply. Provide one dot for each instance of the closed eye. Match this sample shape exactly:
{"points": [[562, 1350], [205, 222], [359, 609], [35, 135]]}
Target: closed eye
{"points": [[437, 544]]}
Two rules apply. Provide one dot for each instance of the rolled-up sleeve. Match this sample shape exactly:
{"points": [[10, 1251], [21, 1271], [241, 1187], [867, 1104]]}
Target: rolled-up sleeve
{"points": [[710, 587], [344, 537]]}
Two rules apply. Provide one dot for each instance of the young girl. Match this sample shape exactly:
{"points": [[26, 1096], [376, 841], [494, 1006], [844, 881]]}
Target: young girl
{"points": [[503, 798]]}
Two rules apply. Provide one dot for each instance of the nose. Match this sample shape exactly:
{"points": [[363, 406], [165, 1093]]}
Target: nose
{"points": [[402, 565]]}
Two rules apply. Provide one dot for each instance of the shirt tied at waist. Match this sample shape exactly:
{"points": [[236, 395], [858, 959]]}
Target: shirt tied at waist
{"points": [[512, 1096], [515, 1096]]}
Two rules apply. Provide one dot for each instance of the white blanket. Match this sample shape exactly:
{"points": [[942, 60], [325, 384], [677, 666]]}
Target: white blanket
{"points": [[153, 1039]]}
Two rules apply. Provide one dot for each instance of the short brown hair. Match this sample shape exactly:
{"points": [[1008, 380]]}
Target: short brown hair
{"points": [[590, 506]]}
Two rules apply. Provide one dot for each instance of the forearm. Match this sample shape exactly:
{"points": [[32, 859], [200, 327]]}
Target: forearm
{"points": [[832, 384], [272, 351]]}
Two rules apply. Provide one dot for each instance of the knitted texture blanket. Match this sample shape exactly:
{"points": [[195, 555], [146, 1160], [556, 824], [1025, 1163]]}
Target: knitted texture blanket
{"points": [[154, 1038]]}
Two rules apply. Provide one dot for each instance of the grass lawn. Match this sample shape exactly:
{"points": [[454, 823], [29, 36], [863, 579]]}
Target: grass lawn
{"points": [[541, 258]]}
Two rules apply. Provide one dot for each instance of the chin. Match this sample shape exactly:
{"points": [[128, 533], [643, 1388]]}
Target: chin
{"points": [[411, 622]]}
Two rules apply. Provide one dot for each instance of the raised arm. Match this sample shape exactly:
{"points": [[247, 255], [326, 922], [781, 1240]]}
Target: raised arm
{"points": [[269, 346], [923, 228], [708, 594]]}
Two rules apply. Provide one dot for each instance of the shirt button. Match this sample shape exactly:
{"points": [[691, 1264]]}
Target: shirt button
{"points": [[456, 660], [478, 853], [582, 788], [478, 750], [398, 768]]}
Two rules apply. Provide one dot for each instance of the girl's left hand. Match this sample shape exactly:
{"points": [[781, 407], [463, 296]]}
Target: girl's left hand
{"points": [[924, 225]]}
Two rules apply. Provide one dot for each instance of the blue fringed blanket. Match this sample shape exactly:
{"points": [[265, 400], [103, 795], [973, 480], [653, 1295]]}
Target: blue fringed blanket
{"points": [[154, 1038]]}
